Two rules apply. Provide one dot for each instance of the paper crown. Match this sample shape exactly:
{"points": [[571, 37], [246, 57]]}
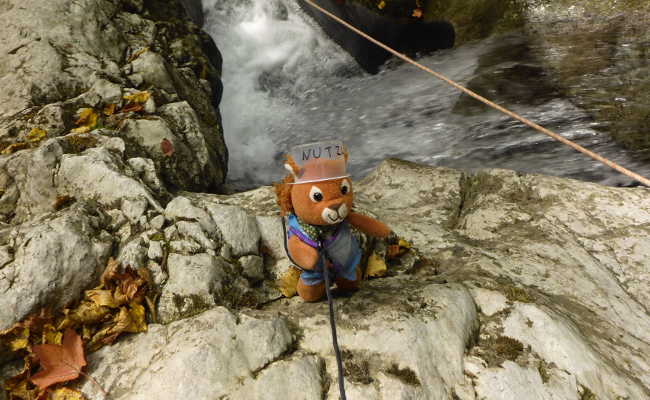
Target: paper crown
{"points": [[319, 161]]}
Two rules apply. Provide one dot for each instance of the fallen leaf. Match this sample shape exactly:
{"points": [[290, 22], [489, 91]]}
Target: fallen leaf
{"points": [[376, 266], [12, 148], [288, 283], [381, 5], [65, 393], [19, 386], [51, 335], [59, 363], [21, 341], [36, 135], [137, 98], [167, 147], [132, 107], [417, 13], [103, 298], [111, 271], [86, 120], [109, 109], [87, 313]]}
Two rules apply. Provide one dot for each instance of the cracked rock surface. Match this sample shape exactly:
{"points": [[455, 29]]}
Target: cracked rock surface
{"points": [[520, 292], [518, 286]]}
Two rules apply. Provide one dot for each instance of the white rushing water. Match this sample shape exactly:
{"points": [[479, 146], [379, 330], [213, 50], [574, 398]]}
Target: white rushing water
{"points": [[286, 83]]}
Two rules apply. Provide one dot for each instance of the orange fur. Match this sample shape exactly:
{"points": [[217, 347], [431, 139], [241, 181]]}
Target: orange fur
{"points": [[295, 198]]}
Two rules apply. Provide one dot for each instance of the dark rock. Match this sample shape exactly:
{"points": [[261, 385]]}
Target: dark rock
{"points": [[406, 35], [194, 9]]}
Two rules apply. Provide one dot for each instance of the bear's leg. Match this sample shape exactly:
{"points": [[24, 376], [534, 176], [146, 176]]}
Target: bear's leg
{"points": [[345, 284], [311, 293]]}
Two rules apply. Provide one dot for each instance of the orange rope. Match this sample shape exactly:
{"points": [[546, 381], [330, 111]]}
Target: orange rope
{"points": [[516, 116]]}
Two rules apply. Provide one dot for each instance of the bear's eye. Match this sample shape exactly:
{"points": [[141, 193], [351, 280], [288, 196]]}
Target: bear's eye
{"points": [[345, 186], [315, 194]]}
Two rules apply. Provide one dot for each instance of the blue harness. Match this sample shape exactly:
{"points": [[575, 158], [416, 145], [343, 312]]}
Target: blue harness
{"points": [[341, 248]]}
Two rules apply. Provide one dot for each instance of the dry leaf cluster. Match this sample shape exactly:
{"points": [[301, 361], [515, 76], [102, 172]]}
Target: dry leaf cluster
{"points": [[56, 341]]}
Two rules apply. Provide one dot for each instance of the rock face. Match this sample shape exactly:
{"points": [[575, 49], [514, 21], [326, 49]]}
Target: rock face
{"points": [[531, 287], [60, 57], [406, 35]]}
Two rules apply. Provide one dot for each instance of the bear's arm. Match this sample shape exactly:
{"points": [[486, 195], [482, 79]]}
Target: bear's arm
{"points": [[303, 254], [368, 225]]}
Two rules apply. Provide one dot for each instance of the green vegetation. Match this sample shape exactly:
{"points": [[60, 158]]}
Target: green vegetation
{"points": [[405, 375]]}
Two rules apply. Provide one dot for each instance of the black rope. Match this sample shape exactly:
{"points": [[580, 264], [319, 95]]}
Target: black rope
{"points": [[335, 343], [330, 303]]}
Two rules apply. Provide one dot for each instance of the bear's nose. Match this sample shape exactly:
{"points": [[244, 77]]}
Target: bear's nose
{"points": [[336, 207]]}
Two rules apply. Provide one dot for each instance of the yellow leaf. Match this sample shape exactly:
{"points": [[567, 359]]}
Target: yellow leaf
{"points": [[51, 335], [137, 98], [12, 148], [65, 393], [417, 13], [288, 283], [137, 319], [381, 5], [86, 120], [36, 135], [109, 109], [86, 313], [20, 342], [376, 266], [87, 116], [403, 243], [103, 298]]}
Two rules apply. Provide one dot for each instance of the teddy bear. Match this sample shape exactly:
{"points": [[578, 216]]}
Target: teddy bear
{"points": [[317, 200]]}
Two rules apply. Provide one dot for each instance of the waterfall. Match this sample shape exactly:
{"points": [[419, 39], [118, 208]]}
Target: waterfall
{"points": [[286, 83]]}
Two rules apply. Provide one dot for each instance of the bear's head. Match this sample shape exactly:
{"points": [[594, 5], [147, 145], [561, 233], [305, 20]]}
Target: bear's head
{"points": [[325, 202]]}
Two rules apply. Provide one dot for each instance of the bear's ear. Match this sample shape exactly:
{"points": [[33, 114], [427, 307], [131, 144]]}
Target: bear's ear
{"points": [[291, 166]]}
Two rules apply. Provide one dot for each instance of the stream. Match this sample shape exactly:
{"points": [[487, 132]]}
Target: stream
{"points": [[286, 83]]}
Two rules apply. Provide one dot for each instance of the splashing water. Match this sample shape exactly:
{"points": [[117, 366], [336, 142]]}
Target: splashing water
{"points": [[286, 83]]}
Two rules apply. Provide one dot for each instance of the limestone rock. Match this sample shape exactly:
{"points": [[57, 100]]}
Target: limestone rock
{"points": [[204, 357], [195, 283], [54, 260], [87, 54]]}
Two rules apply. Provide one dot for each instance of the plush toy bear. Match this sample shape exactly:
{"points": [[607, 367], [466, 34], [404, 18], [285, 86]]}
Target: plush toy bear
{"points": [[318, 202]]}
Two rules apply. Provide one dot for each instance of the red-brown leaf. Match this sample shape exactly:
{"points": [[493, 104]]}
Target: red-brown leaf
{"points": [[167, 147], [59, 363]]}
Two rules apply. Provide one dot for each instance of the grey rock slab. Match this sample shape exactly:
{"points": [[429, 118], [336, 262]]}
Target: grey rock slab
{"points": [[238, 229], [32, 174], [195, 284], [298, 378], [409, 323], [99, 175], [511, 381], [535, 238], [559, 341], [55, 259], [203, 358], [183, 208]]}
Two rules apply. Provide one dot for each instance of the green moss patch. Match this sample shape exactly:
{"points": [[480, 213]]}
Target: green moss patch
{"points": [[500, 349], [406, 375]]}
